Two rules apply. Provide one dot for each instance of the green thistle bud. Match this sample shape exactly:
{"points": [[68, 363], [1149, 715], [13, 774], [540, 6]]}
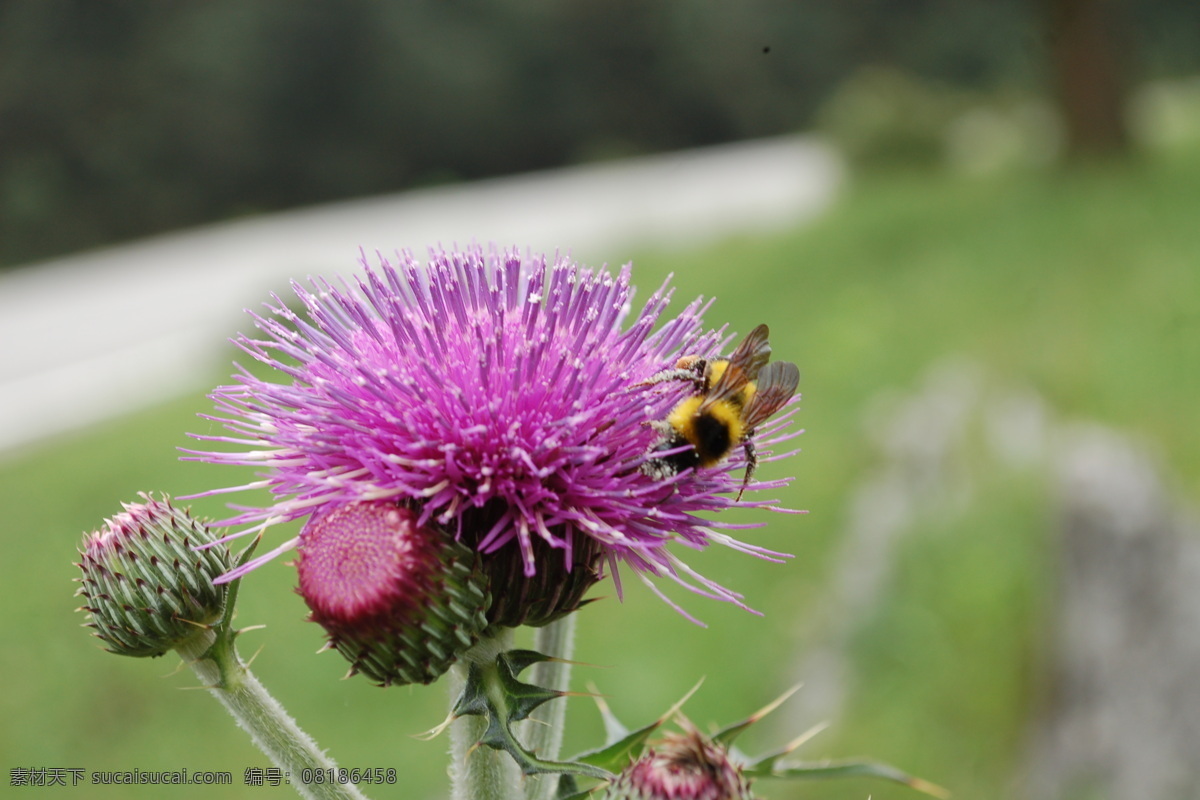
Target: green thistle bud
{"points": [[147, 588], [553, 591], [684, 766], [399, 601]]}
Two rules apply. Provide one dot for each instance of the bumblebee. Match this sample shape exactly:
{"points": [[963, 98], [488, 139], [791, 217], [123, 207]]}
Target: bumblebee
{"points": [[731, 398]]}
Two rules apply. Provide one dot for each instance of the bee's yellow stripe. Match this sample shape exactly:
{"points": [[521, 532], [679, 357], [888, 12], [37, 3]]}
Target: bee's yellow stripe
{"points": [[727, 414], [682, 415]]}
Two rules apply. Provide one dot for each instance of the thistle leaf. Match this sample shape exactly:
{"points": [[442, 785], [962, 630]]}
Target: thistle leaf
{"points": [[493, 690], [618, 753], [727, 734]]}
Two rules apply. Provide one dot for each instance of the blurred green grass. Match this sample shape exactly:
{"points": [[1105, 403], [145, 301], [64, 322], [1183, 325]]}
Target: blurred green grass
{"points": [[1083, 285]]}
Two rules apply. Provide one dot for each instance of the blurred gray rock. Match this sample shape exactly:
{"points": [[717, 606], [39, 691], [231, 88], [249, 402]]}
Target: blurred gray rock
{"points": [[1121, 720], [1119, 714]]}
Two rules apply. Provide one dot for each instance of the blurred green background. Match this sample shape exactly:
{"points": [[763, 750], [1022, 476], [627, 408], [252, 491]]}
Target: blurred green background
{"points": [[971, 226]]}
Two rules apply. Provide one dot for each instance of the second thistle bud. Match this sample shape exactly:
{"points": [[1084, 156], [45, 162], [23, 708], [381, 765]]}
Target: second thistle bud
{"points": [[555, 589], [400, 601], [147, 588], [683, 766]]}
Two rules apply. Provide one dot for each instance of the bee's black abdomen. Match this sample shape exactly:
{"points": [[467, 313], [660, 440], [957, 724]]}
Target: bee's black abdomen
{"points": [[659, 467], [713, 439], [707, 440], [681, 460]]}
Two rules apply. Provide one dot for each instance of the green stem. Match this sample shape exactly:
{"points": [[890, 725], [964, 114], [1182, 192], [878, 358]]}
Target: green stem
{"points": [[478, 772], [218, 667], [544, 732]]}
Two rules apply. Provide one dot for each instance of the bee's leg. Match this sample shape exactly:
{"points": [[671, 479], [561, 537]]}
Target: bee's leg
{"points": [[751, 465], [662, 428], [658, 468], [655, 467], [688, 369], [668, 375]]}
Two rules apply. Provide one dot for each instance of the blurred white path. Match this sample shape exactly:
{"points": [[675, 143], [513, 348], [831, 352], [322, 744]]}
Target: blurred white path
{"points": [[96, 334]]}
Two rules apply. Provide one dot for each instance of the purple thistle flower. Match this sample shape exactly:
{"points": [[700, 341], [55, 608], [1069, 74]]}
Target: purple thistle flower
{"points": [[499, 398]]}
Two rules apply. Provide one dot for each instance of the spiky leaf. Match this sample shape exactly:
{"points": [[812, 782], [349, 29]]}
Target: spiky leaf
{"points": [[824, 770]]}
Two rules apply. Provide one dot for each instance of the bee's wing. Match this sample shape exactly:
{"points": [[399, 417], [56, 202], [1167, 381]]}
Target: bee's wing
{"points": [[744, 365], [777, 383], [753, 353], [732, 381]]}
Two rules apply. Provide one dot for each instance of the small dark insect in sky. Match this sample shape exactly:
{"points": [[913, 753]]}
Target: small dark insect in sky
{"points": [[766, 49]]}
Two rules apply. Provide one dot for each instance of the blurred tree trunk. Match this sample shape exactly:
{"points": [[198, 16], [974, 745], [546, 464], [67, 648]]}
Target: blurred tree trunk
{"points": [[1086, 62]]}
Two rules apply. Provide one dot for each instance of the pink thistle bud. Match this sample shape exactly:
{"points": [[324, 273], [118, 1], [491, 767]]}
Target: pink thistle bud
{"points": [[399, 600], [684, 766]]}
